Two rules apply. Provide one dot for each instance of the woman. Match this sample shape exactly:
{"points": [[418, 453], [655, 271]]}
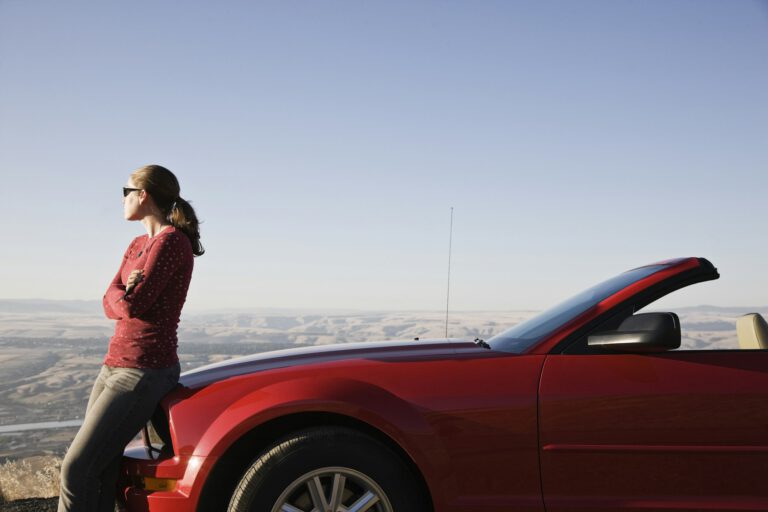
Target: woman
{"points": [[141, 366]]}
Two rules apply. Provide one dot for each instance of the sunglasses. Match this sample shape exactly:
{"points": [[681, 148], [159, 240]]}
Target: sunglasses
{"points": [[127, 191]]}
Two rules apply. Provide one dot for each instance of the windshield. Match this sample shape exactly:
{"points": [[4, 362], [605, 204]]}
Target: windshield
{"points": [[522, 336]]}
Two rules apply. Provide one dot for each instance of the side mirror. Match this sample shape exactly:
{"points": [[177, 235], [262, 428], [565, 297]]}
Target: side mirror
{"points": [[646, 332]]}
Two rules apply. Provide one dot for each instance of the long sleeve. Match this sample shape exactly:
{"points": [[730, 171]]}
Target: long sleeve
{"points": [[116, 289], [147, 317], [165, 256]]}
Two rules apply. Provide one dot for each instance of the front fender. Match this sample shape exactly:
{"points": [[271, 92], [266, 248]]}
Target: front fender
{"points": [[240, 405]]}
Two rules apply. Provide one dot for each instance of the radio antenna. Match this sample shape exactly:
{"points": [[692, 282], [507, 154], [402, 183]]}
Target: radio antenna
{"points": [[448, 291]]}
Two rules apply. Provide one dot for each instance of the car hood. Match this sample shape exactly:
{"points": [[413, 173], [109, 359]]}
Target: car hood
{"points": [[324, 353]]}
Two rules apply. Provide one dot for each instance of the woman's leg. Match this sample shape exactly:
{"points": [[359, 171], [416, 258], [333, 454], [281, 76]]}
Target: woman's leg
{"points": [[66, 493], [126, 402], [97, 388], [160, 378]]}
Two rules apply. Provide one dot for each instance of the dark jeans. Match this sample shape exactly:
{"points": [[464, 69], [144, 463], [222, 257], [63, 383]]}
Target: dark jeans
{"points": [[121, 402]]}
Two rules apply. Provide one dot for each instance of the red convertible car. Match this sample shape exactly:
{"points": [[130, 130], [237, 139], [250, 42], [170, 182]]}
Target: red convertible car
{"points": [[585, 407]]}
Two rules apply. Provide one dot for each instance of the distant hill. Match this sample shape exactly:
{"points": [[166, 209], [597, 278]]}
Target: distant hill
{"points": [[734, 310], [705, 325], [33, 306]]}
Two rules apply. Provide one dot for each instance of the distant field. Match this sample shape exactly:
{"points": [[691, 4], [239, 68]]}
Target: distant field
{"points": [[48, 371], [48, 378]]}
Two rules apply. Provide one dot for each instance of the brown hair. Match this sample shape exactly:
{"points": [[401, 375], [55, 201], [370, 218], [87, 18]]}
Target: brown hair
{"points": [[164, 188]]}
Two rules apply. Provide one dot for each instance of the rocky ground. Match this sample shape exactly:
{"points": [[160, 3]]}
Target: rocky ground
{"points": [[30, 505]]}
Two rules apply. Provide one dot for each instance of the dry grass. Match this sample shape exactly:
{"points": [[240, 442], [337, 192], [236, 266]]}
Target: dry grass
{"points": [[33, 477]]}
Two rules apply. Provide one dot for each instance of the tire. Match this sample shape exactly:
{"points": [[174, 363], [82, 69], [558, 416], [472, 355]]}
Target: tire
{"points": [[328, 469]]}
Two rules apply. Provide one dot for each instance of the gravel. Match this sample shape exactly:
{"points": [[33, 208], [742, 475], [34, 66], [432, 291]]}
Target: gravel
{"points": [[31, 505]]}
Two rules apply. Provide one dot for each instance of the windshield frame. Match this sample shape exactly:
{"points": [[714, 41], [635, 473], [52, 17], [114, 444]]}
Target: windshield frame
{"points": [[556, 322]]}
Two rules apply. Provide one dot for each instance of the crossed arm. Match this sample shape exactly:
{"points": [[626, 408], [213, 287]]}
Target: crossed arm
{"points": [[140, 291]]}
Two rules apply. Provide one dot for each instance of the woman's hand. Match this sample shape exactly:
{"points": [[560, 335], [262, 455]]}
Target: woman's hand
{"points": [[135, 278]]}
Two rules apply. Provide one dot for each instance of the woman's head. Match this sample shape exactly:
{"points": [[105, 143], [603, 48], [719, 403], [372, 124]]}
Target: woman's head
{"points": [[163, 189]]}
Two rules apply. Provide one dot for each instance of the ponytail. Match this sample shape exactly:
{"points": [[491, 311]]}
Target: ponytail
{"points": [[164, 189], [182, 216]]}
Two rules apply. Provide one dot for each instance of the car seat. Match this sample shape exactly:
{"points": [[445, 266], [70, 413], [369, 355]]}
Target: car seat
{"points": [[752, 331]]}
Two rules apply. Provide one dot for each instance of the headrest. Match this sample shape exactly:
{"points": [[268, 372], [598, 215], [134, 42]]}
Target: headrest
{"points": [[752, 331]]}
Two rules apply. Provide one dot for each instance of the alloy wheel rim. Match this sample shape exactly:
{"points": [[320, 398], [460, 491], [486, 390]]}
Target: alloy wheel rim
{"points": [[333, 489]]}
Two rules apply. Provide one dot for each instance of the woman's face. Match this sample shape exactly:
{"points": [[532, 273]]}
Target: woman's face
{"points": [[132, 203]]}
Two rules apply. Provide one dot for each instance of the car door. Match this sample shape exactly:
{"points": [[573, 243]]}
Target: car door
{"points": [[670, 431]]}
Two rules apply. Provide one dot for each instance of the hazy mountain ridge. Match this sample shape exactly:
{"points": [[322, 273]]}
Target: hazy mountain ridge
{"points": [[82, 319], [51, 319], [49, 357], [49, 306]]}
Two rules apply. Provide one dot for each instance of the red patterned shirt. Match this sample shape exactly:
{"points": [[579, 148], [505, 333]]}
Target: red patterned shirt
{"points": [[148, 316]]}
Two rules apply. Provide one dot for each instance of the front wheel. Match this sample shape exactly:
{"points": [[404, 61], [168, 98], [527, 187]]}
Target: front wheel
{"points": [[327, 470]]}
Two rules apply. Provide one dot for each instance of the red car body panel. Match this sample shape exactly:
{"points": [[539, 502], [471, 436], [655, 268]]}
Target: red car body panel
{"points": [[676, 430], [493, 431], [448, 414]]}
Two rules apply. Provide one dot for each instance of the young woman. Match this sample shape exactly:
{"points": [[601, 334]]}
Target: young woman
{"points": [[141, 366]]}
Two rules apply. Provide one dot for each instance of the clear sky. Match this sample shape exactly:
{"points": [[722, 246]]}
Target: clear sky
{"points": [[324, 142]]}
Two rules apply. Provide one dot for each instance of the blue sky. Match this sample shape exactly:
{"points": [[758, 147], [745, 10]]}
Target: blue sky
{"points": [[323, 144]]}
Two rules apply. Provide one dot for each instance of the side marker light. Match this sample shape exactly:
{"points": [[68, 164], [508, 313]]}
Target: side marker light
{"points": [[158, 484]]}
